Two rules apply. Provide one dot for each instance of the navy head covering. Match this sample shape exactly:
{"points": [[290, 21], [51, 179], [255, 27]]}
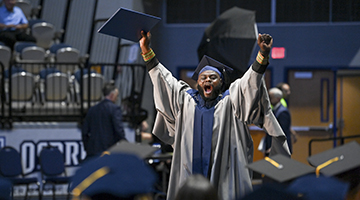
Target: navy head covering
{"points": [[207, 63]]}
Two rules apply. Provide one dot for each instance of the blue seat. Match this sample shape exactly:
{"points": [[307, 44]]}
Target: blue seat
{"points": [[77, 74], [19, 46], [11, 168], [45, 72], [52, 166], [5, 56], [14, 70], [34, 21], [55, 47]]}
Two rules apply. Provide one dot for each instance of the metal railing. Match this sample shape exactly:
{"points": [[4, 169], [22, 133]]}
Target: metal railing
{"points": [[48, 91], [341, 139]]}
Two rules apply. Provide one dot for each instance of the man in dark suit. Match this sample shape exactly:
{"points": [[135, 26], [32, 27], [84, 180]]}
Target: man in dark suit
{"points": [[103, 125], [282, 115]]}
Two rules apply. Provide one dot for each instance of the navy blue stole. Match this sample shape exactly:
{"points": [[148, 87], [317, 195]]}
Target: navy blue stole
{"points": [[203, 125], [202, 136]]}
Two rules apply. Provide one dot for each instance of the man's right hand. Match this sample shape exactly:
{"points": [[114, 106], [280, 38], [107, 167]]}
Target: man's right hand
{"points": [[145, 42]]}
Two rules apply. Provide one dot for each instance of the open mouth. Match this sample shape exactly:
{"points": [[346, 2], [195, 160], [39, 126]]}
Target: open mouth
{"points": [[208, 89]]}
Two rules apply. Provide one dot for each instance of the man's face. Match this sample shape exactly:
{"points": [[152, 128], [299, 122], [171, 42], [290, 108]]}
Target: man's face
{"points": [[286, 91], [114, 95], [9, 4], [209, 84]]}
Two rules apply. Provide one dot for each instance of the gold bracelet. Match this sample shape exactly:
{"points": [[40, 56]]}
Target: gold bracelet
{"points": [[149, 55], [262, 60]]}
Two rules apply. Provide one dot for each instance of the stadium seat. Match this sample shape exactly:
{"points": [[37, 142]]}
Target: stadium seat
{"points": [[96, 82], [5, 56], [70, 57], [44, 33], [11, 168], [33, 54], [52, 166]]}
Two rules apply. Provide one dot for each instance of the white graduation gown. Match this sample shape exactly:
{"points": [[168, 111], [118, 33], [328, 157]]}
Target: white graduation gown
{"points": [[232, 145]]}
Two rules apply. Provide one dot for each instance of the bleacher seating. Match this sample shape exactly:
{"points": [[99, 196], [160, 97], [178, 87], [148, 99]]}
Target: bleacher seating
{"points": [[5, 56], [26, 7], [23, 87], [44, 33], [68, 55], [11, 167], [19, 46], [33, 54], [56, 88], [14, 70], [96, 81], [31, 68]]}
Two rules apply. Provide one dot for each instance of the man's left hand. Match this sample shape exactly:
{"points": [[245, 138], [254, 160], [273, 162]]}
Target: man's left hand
{"points": [[265, 42]]}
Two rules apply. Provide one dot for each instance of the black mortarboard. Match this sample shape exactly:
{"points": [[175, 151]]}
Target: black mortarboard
{"points": [[271, 192], [207, 61], [281, 168], [5, 189], [312, 187], [141, 150], [119, 174], [128, 24], [338, 160]]}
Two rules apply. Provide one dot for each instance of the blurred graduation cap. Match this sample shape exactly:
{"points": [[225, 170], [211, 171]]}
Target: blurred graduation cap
{"points": [[119, 175], [207, 61], [141, 150], [5, 189], [312, 187], [271, 192], [128, 24], [280, 168], [338, 160]]}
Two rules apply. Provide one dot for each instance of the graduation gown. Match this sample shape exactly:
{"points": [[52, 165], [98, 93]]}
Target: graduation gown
{"points": [[246, 103]]}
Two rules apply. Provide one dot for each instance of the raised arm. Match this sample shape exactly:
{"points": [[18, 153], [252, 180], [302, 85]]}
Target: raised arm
{"points": [[145, 42]]}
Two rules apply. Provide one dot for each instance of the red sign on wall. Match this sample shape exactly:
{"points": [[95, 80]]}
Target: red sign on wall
{"points": [[278, 53]]}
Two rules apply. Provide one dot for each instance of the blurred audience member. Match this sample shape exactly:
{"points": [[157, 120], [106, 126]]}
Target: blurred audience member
{"points": [[282, 115], [285, 88], [103, 125], [13, 24], [197, 187]]}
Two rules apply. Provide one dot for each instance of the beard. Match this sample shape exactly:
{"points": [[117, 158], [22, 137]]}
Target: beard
{"points": [[215, 93]]}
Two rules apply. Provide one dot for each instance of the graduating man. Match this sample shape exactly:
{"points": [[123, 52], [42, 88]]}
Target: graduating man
{"points": [[208, 127]]}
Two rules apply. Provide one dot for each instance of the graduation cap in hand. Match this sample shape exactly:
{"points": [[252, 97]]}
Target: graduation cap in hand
{"points": [[128, 24]]}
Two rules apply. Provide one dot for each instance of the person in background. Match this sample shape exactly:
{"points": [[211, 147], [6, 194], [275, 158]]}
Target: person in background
{"points": [[282, 115], [13, 24], [197, 187], [285, 88], [208, 126], [103, 125]]}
